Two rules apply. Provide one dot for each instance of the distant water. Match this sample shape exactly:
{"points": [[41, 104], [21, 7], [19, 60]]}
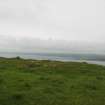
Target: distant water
{"points": [[90, 58]]}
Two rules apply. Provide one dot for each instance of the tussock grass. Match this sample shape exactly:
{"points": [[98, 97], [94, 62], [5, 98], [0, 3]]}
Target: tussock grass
{"points": [[33, 82]]}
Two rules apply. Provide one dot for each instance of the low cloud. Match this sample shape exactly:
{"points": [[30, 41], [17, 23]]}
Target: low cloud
{"points": [[52, 25], [26, 44]]}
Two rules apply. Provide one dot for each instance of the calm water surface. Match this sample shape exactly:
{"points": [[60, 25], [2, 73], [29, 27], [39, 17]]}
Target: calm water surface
{"points": [[58, 57]]}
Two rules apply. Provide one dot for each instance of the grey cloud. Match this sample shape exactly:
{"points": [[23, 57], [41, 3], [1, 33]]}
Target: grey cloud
{"points": [[37, 45], [74, 25]]}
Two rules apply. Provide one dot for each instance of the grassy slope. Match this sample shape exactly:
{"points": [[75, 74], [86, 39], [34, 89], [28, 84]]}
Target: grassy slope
{"points": [[27, 82]]}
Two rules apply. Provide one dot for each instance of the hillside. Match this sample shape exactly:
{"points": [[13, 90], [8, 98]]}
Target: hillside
{"points": [[33, 82]]}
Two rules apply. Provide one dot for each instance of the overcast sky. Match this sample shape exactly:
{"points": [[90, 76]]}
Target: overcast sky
{"points": [[52, 25]]}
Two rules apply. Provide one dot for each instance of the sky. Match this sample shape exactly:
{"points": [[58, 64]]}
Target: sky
{"points": [[52, 26]]}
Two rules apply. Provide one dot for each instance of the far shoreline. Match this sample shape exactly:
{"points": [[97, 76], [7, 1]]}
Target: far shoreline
{"points": [[100, 63]]}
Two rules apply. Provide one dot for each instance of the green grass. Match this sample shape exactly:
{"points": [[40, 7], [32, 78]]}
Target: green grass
{"points": [[33, 82]]}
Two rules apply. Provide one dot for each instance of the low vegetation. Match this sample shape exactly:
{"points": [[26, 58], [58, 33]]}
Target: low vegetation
{"points": [[33, 82]]}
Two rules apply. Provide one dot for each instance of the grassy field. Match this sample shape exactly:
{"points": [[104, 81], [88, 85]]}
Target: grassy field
{"points": [[33, 82]]}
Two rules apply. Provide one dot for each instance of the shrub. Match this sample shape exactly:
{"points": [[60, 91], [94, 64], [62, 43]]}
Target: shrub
{"points": [[17, 96], [18, 57]]}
